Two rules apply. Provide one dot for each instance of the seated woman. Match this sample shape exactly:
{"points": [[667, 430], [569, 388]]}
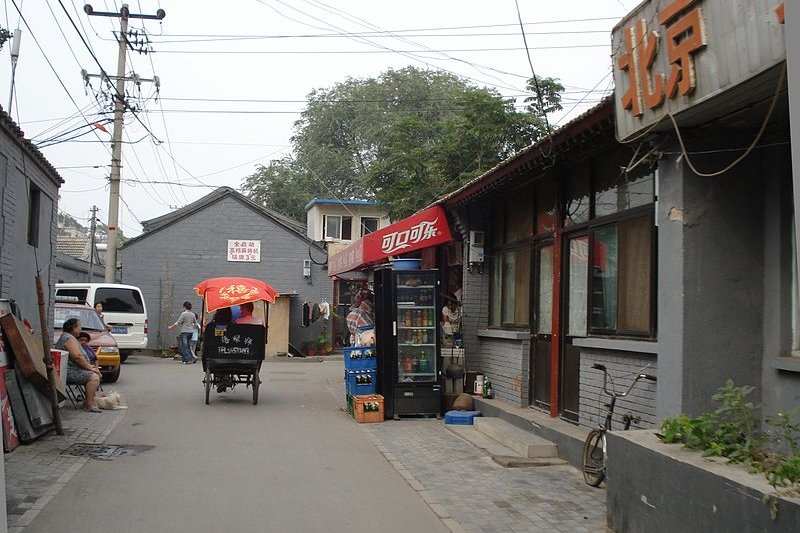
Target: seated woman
{"points": [[79, 370]]}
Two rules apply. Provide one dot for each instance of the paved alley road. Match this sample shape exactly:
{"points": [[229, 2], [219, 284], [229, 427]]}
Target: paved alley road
{"points": [[294, 462]]}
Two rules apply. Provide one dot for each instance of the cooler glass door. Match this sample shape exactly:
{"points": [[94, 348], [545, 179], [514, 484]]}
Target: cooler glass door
{"points": [[416, 327]]}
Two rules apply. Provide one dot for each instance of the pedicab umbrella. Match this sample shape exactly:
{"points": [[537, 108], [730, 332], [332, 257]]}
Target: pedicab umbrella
{"points": [[227, 292]]}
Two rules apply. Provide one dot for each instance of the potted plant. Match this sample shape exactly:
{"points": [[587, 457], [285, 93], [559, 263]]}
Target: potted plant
{"points": [[325, 344], [309, 348]]}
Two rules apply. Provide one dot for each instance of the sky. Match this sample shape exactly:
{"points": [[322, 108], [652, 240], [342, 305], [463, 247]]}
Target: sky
{"points": [[235, 75]]}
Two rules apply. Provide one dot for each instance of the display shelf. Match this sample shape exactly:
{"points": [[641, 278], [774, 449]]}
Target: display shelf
{"points": [[409, 344], [416, 327], [416, 287]]}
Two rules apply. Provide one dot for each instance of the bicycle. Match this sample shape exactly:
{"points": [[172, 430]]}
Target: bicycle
{"points": [[594, 449]]}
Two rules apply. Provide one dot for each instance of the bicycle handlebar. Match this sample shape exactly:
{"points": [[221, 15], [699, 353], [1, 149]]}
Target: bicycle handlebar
{"points": [[607, 377]]}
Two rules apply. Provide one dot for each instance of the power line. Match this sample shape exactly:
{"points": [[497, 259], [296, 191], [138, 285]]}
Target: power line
{"points": [[373, 35], [412, 56], [50, 64], [404, 30], [386, 51], [535, 78]]}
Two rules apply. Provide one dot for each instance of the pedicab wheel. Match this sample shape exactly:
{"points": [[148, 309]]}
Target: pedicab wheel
{"points": [[256, 383], [207, 381]]}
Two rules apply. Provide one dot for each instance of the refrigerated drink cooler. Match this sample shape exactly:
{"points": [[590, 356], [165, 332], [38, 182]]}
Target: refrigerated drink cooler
{"points": [[407, 331]]}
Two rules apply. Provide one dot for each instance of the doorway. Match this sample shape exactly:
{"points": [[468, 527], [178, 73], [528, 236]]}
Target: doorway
{"points": [[542, 330], [573, 322]]}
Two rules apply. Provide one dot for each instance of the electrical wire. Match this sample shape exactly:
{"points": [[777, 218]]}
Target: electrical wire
{"points": [[749, 149], [366, 24], [387, 51], [412, 56], [50, 64], [533, 71]]}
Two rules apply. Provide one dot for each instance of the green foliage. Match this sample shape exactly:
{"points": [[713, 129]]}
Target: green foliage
{"points": [[5, 35], [550, 89], [731, 431], [401, 139]]}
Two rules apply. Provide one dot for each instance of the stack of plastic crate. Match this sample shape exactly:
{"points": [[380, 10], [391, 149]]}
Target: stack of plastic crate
{"points": [[360, 373]]}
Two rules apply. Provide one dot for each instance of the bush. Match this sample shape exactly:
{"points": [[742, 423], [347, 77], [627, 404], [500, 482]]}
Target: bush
{"points": [[731, 431]]}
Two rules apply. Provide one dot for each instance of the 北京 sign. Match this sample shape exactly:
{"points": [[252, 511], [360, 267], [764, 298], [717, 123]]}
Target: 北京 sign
{"points": [[244, 251], [672, 55]]}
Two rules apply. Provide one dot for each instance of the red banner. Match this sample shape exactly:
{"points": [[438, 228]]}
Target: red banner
{"points": [[424, 229]]}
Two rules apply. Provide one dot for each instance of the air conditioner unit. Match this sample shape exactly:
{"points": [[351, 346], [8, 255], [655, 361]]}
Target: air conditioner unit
{"points": [[476, 246]]}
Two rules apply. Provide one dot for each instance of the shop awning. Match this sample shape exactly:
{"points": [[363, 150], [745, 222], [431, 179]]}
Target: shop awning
{"points": [[421, 230]]}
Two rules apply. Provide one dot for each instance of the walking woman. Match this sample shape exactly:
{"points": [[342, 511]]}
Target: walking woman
{"points": [[185, 325]]}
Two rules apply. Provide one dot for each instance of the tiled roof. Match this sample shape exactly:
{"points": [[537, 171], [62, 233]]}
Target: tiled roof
{"points": [[157, 223], [14, 131], [77, 247]]}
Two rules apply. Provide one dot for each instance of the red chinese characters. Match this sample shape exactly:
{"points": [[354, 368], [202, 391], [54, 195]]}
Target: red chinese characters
{"points": [[684, 36]]}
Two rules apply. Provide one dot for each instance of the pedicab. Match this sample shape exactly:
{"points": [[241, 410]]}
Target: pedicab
{"points": [[232, 350]]}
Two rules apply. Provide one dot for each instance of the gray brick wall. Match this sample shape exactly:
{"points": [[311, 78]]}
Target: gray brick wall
{"points": [[72, 270], [170, 261], [505, 362], [19, 261], [622, 367]]}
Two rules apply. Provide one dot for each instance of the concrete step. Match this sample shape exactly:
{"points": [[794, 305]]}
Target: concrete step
{"points": [[480, 440], [500, 454], [523, 443]]}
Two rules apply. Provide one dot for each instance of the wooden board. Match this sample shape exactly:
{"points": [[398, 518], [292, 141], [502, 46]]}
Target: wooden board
{"points": [[27, 351]]}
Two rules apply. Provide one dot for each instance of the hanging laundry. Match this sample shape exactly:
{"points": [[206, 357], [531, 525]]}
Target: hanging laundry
{"points": [[315, 312], [325, 311], [306, 314]]}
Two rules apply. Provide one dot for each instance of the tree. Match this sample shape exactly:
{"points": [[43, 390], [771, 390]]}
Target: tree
{"points": [[280, 188], [5, 35], [402, 139], [546, 98]]}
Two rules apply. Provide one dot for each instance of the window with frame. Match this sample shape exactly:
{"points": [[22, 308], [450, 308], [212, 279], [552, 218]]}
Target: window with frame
{"points": [[337, 227], [621, 277], [510, 260], [369, 225], [34, 204]]}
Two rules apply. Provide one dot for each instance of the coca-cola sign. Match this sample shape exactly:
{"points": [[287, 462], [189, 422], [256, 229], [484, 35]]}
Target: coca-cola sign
{"points": [[397, 241], [421, 230]]}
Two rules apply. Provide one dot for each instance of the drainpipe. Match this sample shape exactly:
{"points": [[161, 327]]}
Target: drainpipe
{"points": [[792, 36]]}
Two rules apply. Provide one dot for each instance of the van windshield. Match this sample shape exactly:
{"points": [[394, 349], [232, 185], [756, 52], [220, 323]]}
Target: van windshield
{"points": [[119, 300]]}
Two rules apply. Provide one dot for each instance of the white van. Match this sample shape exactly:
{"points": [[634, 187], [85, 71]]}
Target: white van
{"points": [[123, 309]]}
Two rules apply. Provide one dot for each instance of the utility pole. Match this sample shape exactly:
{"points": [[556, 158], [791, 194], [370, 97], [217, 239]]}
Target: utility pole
{"points": [[93, 229], [116, 149]]}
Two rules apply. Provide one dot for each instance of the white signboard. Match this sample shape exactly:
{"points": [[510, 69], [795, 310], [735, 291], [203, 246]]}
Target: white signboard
{"points": [[244, 251]]}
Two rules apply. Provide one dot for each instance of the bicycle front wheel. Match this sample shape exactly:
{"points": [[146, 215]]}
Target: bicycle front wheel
{"points": [[594, 457]]}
